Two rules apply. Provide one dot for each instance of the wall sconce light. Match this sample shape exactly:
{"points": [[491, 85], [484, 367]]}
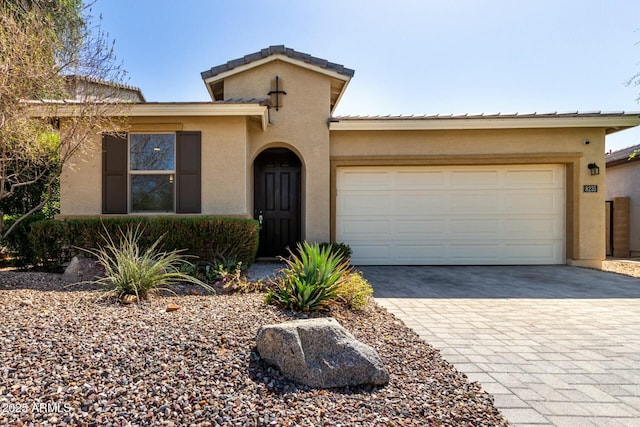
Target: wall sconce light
{"points": [[594, 169]]}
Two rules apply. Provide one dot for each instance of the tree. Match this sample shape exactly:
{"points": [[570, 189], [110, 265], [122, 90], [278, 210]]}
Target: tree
{"points": [[59, 87]]}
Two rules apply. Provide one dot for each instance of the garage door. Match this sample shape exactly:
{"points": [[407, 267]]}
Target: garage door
{"points": [[452, 215]]}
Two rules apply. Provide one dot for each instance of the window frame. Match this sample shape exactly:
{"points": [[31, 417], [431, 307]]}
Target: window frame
{"points": [[171, 172]]}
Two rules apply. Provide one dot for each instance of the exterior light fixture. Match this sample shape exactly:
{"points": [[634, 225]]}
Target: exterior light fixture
{"points": [[594, 169]]}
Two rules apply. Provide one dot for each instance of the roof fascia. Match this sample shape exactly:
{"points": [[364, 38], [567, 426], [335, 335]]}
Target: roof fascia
{"points": [[170, 110], [613, 123]]}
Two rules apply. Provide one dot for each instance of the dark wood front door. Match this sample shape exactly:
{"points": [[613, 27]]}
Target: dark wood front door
{"points": [[277, 200]]}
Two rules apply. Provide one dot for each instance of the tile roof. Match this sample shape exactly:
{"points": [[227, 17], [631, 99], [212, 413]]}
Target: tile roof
{"points": [[489, 116], [75, 78], [273, 50], [621, 156]]}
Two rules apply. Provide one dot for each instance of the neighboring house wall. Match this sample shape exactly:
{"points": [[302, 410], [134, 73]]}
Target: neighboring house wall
{"points": [[622, 181], [584, 213]]}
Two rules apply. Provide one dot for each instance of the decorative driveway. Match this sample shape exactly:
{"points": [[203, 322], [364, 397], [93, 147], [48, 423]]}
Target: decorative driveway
{"points": [[555, 345]]}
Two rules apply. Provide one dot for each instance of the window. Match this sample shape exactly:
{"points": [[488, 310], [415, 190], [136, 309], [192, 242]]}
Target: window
{"points": [[152, 172]]}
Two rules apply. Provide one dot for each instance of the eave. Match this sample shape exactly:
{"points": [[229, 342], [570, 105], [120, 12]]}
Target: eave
{"points": [[611, 122]]}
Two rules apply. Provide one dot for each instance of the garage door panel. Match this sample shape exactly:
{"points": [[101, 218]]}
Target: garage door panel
{"points": [[355, 229], [364, 204], [419, 203], [532, 178], [548, 227], [525, 250], [468, 178], [474, 226], [420, 179], [470, 250], [466, 202], [349, 180], [419, 228], [442, 215], [417, 254], [534, 202]]}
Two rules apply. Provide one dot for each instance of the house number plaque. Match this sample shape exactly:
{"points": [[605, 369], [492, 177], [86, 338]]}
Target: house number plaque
{"points": [[590, 188]]}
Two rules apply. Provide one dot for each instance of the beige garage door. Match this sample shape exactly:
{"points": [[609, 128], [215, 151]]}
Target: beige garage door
{"points": [[452, 215]]}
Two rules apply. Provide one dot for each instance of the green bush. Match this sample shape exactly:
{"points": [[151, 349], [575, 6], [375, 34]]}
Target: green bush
{"points": [[341, 249], [130, 270], [17, 242], [209, 239], [311, 280]]}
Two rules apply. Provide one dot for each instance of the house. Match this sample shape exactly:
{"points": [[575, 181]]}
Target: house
{"points": [[470, 189], [623, 200]]}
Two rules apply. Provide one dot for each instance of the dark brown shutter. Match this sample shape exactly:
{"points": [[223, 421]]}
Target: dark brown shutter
{"points": [[114, 174], [188, 172]]}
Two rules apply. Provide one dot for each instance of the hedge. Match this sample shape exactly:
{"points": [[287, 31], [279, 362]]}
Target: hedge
{"points": [[17, 242], [55, 242]]}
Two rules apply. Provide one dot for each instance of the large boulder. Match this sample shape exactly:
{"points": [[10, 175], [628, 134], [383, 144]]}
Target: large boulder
{"points": [[320, 353], [83, 269]]}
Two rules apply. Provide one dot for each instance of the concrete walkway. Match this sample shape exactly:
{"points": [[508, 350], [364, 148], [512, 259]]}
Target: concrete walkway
{"points": [[555, 345]]}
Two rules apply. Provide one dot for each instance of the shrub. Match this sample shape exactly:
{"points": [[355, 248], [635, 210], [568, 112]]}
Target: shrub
{"points": [[341, 249], [130, 270], [355, 291], [311, 279], [17, 242], [207, 238]]}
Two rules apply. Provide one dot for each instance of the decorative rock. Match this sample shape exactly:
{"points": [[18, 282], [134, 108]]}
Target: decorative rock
{"points": [[172, 307], [82, 268], [320, 353], [128, 299]]}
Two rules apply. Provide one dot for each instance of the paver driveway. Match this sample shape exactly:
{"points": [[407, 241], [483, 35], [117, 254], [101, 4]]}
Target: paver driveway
{"points": [[555, 345]]}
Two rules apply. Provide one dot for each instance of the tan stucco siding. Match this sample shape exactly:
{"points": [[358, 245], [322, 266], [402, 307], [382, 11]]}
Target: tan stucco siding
{"points": [[584, 211], [81, 181], [224, 166], [301, 125]]}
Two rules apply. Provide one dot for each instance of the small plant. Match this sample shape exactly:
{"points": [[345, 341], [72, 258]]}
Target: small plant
{"points": [[131, 270], [355, 291], [225, 275], [311, 279]]}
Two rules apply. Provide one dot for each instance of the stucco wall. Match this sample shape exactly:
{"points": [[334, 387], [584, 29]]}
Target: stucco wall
{"points": [[301, 125], [584, 211], [622, 181], [223, 186]]}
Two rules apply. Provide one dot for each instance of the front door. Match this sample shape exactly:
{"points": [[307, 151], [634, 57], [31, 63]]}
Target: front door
{"points": [[277, 201]]}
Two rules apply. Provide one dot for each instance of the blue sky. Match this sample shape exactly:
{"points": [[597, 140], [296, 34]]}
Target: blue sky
{"points": [[410, 57]]}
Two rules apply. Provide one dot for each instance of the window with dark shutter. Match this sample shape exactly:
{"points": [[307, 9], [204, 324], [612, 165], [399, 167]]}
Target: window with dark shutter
{"points": [[188, 172], [114, 174]]}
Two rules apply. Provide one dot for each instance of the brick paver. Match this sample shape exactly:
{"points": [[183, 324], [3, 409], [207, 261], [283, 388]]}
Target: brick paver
{"points": [[555, 345]]}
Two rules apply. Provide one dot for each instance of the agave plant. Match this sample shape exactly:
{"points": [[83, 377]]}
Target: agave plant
{"points": [[130, 270], [311, 279]]}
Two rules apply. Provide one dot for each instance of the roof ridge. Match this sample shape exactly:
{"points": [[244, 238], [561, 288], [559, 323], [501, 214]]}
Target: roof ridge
{"points": [[274, 50]]}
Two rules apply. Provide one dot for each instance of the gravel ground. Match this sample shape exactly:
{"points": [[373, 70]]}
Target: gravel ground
{"points": [[65, 359], [628, 267]]}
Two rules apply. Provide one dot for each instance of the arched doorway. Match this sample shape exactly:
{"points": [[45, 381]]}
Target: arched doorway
{"points": [[277, 200]]}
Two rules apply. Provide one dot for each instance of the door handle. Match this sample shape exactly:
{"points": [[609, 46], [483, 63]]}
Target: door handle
{"points": [[260, 218]]}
